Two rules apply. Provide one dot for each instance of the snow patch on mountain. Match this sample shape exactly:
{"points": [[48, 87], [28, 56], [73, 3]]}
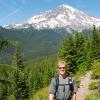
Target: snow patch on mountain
{"points": [[62, 17], [68, 7]]}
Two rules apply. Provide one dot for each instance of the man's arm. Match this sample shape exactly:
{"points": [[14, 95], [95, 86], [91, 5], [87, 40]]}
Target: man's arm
{"points": [[52, 89], [74, 96], [51, 96], [75, 90]]}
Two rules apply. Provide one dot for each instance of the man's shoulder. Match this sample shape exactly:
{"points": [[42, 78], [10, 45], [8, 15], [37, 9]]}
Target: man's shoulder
{"points": [[58, 76], [54, 78]]}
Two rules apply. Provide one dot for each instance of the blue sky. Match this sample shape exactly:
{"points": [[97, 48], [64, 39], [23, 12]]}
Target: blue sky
{"points": [[17, 11]]}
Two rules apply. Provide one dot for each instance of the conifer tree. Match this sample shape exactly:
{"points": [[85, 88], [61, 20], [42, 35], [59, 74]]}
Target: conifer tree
{"points": [[20, 77], [87, 57], [63, 49], [68, 53], [3, 43], [4, 86], [20, 86], [17, 59], [95, 44], [79, 45]]}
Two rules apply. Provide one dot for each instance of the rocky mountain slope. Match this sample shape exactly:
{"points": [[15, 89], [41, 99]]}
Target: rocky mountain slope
{"points": [[63, 16]]}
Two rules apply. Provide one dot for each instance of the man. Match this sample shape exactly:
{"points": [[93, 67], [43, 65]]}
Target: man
{"points": [[62, 87]]}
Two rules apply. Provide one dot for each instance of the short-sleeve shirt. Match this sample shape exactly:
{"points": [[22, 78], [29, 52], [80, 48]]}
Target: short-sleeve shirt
{"points": [[63, 88]]}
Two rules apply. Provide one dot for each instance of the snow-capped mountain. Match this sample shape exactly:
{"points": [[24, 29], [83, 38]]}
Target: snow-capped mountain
{"points": [[62, 17]]}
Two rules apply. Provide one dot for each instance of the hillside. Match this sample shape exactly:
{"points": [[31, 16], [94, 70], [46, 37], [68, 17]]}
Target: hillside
{"points": [[33, 42], [41, 34]]}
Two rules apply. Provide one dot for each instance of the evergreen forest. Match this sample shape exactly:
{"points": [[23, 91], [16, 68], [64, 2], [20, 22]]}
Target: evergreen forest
{"points": [[20, 79]]}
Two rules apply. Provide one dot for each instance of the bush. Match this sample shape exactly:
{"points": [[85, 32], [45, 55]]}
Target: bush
{"points": [[94, 76], [98, 86], [93, 96], [96, 70], [41, 94], [78, 83], [93, 86]]}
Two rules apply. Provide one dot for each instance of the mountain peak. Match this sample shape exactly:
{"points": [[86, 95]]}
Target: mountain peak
{"points": [[63, 17], [67, 7]]}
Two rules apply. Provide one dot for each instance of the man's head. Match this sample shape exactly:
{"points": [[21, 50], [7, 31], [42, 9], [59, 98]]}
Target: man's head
{"points": [[62, 67]]}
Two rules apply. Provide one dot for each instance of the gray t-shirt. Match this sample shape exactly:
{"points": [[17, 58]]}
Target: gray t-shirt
{"points": [[63, 87]]}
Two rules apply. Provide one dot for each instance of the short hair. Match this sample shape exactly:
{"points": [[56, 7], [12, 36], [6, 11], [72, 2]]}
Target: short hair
{"points": [[62, 62]]}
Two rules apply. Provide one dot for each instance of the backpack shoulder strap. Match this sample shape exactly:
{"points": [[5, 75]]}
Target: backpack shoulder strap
{"points": [[70, 81], [57, 83]]}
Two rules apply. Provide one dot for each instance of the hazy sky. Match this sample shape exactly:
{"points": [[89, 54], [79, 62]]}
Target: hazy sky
{"points": [[17, 11]]}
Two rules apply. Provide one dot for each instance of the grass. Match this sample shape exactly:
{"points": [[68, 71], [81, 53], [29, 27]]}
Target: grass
{"points": [[41, 95], [78, 83], [93, 96], [96, 70], [93, 86], [82, 71], [44, 93]]}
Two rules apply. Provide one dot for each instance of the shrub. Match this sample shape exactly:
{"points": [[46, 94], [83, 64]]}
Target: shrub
{"points": [[93, 85], [41, 94], [96, 70], [78, 83], [98, 86], [93, 96]]}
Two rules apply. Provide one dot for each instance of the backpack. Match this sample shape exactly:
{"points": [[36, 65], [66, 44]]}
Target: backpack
{"points": [[70, 82]]}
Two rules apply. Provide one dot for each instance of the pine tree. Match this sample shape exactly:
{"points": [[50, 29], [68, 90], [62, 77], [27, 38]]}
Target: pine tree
{"points": [[68, 53], [95, 44], [17, 59], [63, 49], [79, 45], [21, 86], [4, 86], [4, 43], [87, 57]]}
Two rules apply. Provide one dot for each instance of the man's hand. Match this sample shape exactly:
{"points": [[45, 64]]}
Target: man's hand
{"points": [[74, 96], [51, 96]]}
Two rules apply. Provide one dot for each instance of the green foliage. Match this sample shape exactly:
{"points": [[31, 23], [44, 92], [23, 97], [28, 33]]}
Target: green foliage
{"points": [[67, 52], [43, 94], [21, 80], [80, 50], [20, 86], [96, 69], [40, 71], [72, 51], [5, 81], [3, 43], [6, 49], [93, 85], [34, 43], [78, 83], [95, 44], [93, 96], [17, 59], [82, 70]]}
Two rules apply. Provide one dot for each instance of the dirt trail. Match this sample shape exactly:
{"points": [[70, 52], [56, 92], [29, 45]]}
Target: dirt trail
{"points": [[83, 90]]}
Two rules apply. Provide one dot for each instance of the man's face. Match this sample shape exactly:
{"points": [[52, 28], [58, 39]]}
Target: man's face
{"points": [[62, 69]]}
